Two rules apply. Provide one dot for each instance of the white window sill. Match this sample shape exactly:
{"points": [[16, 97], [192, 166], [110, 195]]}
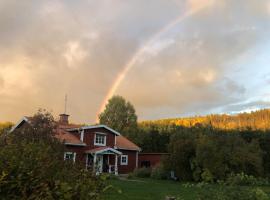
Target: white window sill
{"points": [[124, 164], [101, 145]]}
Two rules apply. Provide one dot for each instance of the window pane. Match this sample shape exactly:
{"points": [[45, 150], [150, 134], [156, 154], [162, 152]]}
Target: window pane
{"points": [[124, 159], [100, 139], [69, 156]]}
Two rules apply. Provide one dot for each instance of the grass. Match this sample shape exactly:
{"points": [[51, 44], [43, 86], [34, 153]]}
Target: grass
{"points": [[149, 189]]}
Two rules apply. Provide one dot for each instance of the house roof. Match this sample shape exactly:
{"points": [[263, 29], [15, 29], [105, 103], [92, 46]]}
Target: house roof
{"points": [[68, 138], [68, 126], [24, 119], [63, 133], [60, 133], [125, 144], [101, 150]]}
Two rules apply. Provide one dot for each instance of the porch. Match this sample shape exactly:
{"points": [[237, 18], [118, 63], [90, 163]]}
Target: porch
{"points": [[103, 160]]}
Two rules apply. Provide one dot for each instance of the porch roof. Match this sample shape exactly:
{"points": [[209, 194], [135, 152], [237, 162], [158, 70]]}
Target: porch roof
{"points": [[103, 150]]}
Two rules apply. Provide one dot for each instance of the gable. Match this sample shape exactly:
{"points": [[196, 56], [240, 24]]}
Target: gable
{"points": [[20, 124], [96, 127]]}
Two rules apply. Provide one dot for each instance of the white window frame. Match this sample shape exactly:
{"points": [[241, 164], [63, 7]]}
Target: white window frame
{"points": [[100, 144], [70, 153], [121, 161]]}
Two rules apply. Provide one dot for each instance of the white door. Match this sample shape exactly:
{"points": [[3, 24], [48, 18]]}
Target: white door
{"points": [[99, 163]]}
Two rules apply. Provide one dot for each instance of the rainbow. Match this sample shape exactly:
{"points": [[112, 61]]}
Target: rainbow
{"points": [[131, 63]]}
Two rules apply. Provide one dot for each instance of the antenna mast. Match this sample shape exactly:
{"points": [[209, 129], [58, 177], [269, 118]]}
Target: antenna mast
{"points": [[66, 104]]}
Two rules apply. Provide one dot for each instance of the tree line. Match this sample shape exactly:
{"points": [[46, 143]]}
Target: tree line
{"points": [[5, 126], [209, 148], [207, 154], [257, 120]]}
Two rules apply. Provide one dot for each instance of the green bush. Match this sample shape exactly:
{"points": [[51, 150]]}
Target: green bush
{"points": [[245, 180], [142, 172], [159, 172], [207, 176], [231, 193]]}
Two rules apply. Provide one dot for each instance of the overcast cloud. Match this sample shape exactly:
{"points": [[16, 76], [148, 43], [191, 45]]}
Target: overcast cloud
{"points": [[212, 62]]}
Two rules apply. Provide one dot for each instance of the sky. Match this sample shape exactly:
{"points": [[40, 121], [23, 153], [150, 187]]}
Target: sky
{"points": [[169, 58]]}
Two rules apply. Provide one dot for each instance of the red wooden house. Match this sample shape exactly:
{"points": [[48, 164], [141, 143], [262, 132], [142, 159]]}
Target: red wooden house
{"points": [[101, 148]]}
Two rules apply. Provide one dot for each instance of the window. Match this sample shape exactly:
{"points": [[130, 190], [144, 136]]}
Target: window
{"points": [[146, 164], [124, 160], [70, 156], [100, 139]]}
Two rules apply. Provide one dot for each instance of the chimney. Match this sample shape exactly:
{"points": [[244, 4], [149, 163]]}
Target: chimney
{"points": [[63, 119]]}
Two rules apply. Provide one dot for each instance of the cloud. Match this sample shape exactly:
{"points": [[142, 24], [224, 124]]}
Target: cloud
{"points": [[2, 82], [52, 47], [74, 54], [195, 5], [246, 106]]}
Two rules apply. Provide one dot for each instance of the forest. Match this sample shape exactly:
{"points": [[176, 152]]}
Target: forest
{"points": [[257, 120], [207, 149], [210, 148]]}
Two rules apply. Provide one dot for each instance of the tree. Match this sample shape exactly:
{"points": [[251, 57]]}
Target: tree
{"points": [[5, 126], [182, 149], [119, 114], [32, 165]]}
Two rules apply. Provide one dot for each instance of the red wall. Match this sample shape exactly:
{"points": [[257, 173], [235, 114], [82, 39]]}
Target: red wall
{"points": [[154, 158], [125, 169], [80, 155], [89, 137]]}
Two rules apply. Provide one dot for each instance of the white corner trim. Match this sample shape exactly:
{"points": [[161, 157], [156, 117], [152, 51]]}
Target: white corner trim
{"points": [[82, 135], [74, 157]]}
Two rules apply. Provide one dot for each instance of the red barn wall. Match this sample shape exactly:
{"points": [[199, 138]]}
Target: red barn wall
{"points": [[154, 158]]}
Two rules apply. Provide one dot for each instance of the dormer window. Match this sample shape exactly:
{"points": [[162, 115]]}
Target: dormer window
{"points": [[100, 139]]}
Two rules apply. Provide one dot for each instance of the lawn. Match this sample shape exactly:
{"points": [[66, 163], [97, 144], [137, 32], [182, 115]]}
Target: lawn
{"points": [[148, 189]]}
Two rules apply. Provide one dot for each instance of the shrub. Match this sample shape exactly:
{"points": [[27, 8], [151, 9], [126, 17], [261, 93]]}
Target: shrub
{"points": [[32, 167], [207, 176], [231, 193], [245, 180], [142, 172], [159, 172]]}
